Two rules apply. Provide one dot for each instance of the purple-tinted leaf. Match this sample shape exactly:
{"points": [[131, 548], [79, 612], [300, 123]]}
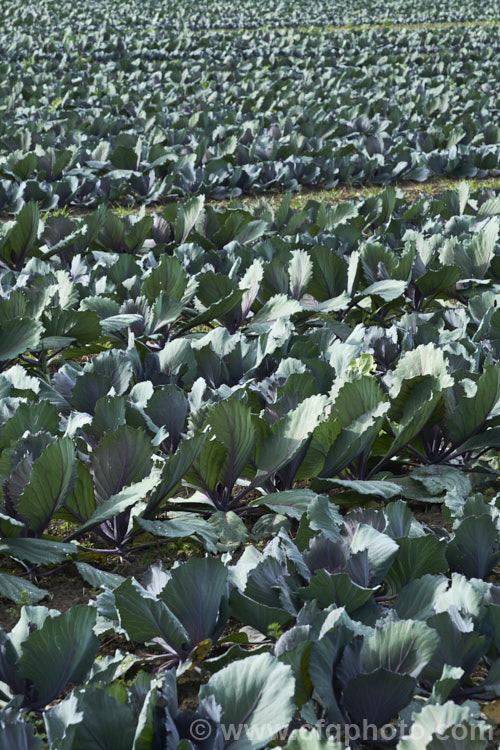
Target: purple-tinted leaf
{"points": [[377, 697], [122, 458], [62, 651], [475, 548], [167, 408], [50, 482], [196, 595]]}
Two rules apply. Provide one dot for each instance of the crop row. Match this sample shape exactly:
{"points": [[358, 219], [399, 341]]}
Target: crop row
{"points": [[294, 345], [354, 623], [146, 15], [177, 114], [226, 375]]}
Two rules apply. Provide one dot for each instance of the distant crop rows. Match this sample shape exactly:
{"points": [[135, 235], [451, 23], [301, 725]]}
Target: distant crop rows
{"points": [[136, 115], [165, 15]]}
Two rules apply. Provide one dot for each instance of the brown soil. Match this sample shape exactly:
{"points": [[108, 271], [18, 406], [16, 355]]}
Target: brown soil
{"points": [[66, 589], [431, 516]]}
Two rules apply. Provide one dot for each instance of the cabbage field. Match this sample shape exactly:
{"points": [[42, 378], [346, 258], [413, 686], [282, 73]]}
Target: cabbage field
{"points": [[249, 375]]}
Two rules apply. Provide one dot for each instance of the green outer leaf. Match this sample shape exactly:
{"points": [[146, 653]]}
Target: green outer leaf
{"points": [[426, 359], [185, 525], [388, 290], [144, 617], [18, 734], [30, 417], [380, 548], [417, 600], [175, 468], [356, 398], [329, 275], [482, 248], [38, 551], [352, 442], [97, 578], [214, 311], [168, 408], [14, 588], [417, 556], [51, 480], [145, 729], [250, 283], [291, 503], [187, 215], [338, 589], [287, 436], [490, 438], [450, 678], [118, 322], [279, 306], [258, 693], [440, 280], [360, 409], [405, 647], [470, 414], [418, 408], [23, 234], [435, 721], [100, 722], [438, 479], [19, 336], [251, 231], [459, 644], [230, 529], [475, 548], [231, 423], [194, 595], [69, 325], [214, 287], [109, 414], [80, 504], [168, 278], [209, 468], [123, 457], [300, 271], [258, 616], [118, 503], [323, 662], [62, 651]]}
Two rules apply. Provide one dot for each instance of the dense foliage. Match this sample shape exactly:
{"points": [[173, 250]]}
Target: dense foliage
{"points": [[169, 15], [228, 375], [123, 109]]}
